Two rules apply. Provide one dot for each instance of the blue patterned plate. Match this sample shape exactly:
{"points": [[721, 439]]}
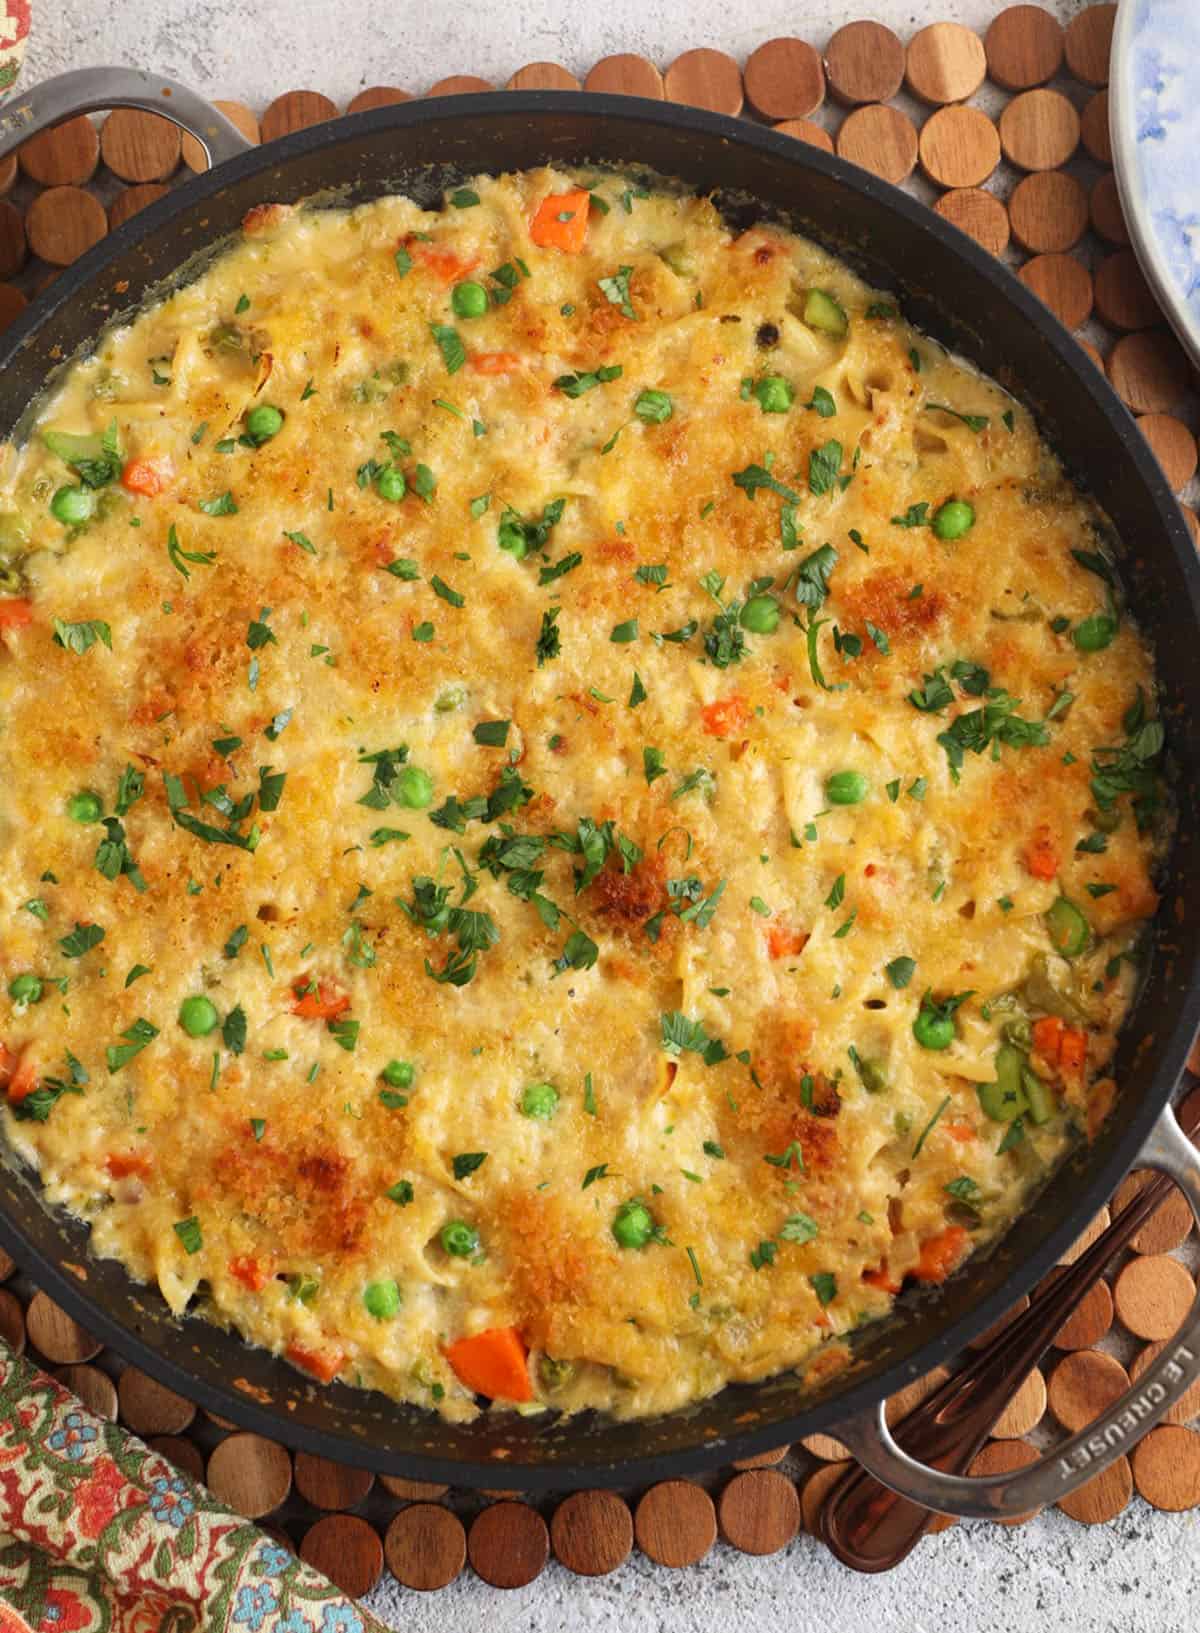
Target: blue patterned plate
{"points": [[1154, 115]]}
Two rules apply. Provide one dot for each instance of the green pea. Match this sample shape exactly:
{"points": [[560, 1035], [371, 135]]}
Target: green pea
{"points": [[655, 407], [413, 787], [72, 506], [399, 1074], [460, 1240], [953, 519], [390, 483], [760, 615], [1094, 634], [382, 1299], [775, 394], [197, 1016], [510, 536], [1069, 930], [25, 989], [469, 300], [846, 788], [633, 1224], [933, 1028], [84, 806], [540, 1100], [264, 422]]}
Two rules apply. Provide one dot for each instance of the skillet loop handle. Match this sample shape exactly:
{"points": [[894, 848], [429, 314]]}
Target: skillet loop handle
{"points": [[84, 90], [1084, 1455]]}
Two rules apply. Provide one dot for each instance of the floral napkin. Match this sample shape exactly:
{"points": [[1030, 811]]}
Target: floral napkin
{"points": [[98, 1534], [14, 28]]}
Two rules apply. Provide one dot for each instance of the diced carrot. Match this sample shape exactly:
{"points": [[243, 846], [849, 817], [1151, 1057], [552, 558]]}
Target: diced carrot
{"points": [[495, 362], [323, 1364], [1041, 855], [881, 1278], [249, 1272], [15, 613], [8, 1062], [940, 1254], [493, 1363], [726, 716], [560, 222], [963, 1132], [1048, 1037], [24, 1078], [439, 260], [321, 1003], [1073, 1052], [783, 943], [120, 1164], [147, 476]]}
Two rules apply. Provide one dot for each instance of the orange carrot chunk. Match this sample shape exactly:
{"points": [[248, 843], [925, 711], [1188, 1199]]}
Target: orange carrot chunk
{"points": [[783, 943], [560, 222], [8, 1063], [250, 1273], [881, 1278], [320, 1003], [120, 1164], [495, 362], [323, 1364], [1048, 1037], [24, 1078], [940, 1254], [1041, 855], [147, 476], [1073, 1051], [726, 716], [493, 1363], [15, 613], [442, 262]]}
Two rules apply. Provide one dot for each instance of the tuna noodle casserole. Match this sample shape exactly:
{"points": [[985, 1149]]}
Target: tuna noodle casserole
{"points": [[576, 798]]}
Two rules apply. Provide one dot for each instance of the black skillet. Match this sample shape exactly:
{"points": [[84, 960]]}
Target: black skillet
{"points": [[961, 296]]}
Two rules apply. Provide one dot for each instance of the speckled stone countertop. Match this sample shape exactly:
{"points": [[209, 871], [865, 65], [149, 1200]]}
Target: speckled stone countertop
{"points": [[1135, 1575]]}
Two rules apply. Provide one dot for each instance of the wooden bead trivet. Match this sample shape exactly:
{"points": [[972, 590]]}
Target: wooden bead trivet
{"points": [[675, 1523], [591, 1532], [452, 85], [425, 1547], [251, 1474], [140, 146], [238, 114], [1170, 1225], [1089, 1321], [1187, 1407], [1101, 1498], [540, 76], [1152, 1295], [1048, 212], [979, 214], [1082, 1385], [331, 1485], [759, 1511], [1005, 1457], [1093, 128], [1174, 447], [626, 74], [347, 1549], [412, 1490], [705, 79], [1024, 47], [65, 156], [1089, 42], [806, 131], [1123, 298], [945, 62], [784, 79], [508, 1544], [95, 1388], [1085, 1239], [826, 1448], [12, 1321], [1062, 283], [56, 1335], [8, 174], [184, 1454], [880, 139], [14, 246], [132, 199], [150, 1408], [1024, 1411], [296, 110], [959, 147], [864, 62], [1166, 1468], [764, 1460], [1104, 208], [63, 222], [1039, 130], [814, 1492], [375, 96]]}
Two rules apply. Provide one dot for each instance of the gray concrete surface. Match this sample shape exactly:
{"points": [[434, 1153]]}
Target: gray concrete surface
{"points": [[1133, 1576]]}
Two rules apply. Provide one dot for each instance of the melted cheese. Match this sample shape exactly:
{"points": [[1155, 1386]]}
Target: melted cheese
{"points": [[283, 1152]]}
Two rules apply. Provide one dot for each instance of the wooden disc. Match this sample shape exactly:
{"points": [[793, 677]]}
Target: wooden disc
{"points": [[704, 78], [58, 1336], [945, 62], [826, 1448], [331, 1485], [959, 147], [1083, 1385], [805, 130], [1005, 1457], [347, 1550], [238, 114], [979, 214], [543, 76], [1102, 1497], [1123, 298], [63, 222], [412, 1490], [132, 199], [880, 139], [181, 1453], [763, 1460], [221, 1423], [1039, 130], [1024, 1411], [460, 85], [8, 174], [1090, 1319], [377, 96], [508, 1544], [1048, 211], [1088, 43], [1090, 352], [253, 1475], [784, 79], [816, 1489], [7, 1264], [1152, 1294], [1189, 515], [1093, 128], [1166, 1468], [1170, 1225], [425, 1547], [675, 1523], [1061, 283], [759, 1511], [296, 110], [1175, 449], [150, 1408], [12, 1321], [1085, 1238], [66, 156], [14, 247], [591, 1532], [140, 146], [625, 74], [907, 1399], [1187, 1407], [1024, 47], [864, 62], [95, 1388], [1108, 218]]}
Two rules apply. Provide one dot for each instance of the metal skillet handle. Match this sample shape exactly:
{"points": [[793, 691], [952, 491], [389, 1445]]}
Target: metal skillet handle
{"points": [[83, 90], [1084, 1455]]}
